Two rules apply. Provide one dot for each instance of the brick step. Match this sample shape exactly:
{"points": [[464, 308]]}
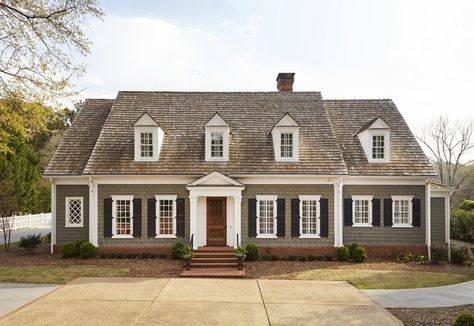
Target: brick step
{"points": [[214, 273], [212, 255], [213, 265], [214, 260], [215, 250]]}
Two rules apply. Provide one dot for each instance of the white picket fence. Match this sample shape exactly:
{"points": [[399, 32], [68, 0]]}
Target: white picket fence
{"points": [[31, 221]]}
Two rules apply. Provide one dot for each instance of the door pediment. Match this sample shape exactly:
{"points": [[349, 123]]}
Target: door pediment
{"points": [[215, 179]]}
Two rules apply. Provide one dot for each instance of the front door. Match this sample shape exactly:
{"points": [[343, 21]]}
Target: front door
{"points": [[216, 221]]}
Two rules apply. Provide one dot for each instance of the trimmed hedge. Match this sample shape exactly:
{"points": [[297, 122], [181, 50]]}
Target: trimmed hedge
{"points": [[87, 250], [359, 254], [342, 253], [462, 224], [465, 318], [253, 253], [459, 255], [71, 249]]}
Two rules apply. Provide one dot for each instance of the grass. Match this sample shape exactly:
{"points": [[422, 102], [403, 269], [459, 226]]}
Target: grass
{"points": [[13, 245], [383, 279], [58, 274]]}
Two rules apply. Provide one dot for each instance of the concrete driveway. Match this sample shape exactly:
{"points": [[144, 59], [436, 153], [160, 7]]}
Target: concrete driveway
{"points": [[140, 301]]}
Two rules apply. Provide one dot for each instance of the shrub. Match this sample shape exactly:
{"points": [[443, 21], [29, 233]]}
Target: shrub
{"points": [[70, 250], [179, 249], [253, 253], [459, 255], [321, 258], [467, 205], [465, 318], [342, 253], [161, 256], [302, 258], [87, 250], [292, 258], [30, 242], [329, 257], [48, 237], [311, 258], [439, 253], [351, 249], [359, 254], [462, 225]]}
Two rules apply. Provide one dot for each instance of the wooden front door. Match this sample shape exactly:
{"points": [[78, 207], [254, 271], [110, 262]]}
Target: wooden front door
{"points": [[216, 221]]}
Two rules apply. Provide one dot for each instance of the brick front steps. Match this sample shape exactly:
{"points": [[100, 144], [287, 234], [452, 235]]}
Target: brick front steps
{"points": [[214, 262]]}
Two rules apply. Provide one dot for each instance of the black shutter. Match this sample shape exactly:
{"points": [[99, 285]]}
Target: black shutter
{"points": [[416, 211], [180, 217], [252, 231], [376, 212], [137, 218], [107, 217], [151, 217], [280, 217], [387, 212], [295, 217], [347, 211], [324, 219]]}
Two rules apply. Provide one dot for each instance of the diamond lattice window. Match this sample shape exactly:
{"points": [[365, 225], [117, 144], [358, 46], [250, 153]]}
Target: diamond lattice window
{"points": [[74, 212]]}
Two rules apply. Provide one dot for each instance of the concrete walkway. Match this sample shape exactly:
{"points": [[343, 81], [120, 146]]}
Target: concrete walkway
{"points": [[13, 295], [442, 296], [140, 301]]}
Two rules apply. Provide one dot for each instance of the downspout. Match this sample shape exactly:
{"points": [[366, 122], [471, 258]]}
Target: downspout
{"points": [[428, 217], [53, 214]]}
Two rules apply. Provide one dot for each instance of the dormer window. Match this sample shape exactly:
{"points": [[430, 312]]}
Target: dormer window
{"points": [[148, 139], [285, 136], [217, 139], [374, 137]]}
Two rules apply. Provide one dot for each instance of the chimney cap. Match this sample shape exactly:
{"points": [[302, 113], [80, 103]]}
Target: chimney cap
{"points": [[285, 75]]}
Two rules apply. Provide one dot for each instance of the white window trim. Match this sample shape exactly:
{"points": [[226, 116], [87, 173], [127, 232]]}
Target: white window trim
{"points": [[386, 144], [276, 135], [157, 220], [274, 199], [114, 211], [157, 137], [67, 224], [410, 212], [318, 217], [225, 139], [361, 197]]}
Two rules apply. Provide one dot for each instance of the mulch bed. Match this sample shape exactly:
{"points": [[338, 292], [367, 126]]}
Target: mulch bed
{"points": [[429, 316]]}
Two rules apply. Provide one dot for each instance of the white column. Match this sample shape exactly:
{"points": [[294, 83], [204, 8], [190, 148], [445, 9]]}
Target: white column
{"points": [[428, 217], [447, 213], [193, 219], [237, 219], [93, 213], [338, 237], [53, 214]]}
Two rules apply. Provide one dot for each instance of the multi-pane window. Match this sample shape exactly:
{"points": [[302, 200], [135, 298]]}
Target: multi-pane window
{"points": [[146, 144], [217, 144], [286, 145], [74, 214], [378, 147], [309, 217], [266, 217], [123, 217], [362, 210], [401, 212], [166, 216]]}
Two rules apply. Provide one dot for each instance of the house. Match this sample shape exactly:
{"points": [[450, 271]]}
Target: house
{"points": [[289, 171]]}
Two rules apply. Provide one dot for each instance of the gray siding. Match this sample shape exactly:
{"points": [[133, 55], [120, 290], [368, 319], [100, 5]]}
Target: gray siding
{"points": [[385, 235], [438, 222], [144, 192], [288, 192], [64, 234]]}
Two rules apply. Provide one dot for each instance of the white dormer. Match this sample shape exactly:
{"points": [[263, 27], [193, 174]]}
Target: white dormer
{"points": [[148, 139], [217, 139], [375, 140], [285, 136]]}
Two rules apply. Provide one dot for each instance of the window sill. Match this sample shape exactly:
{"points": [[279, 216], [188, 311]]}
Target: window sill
{"points": [[267, 236], [309, 236], [402, 226], [122, 237], [75, 226], [362, 225], [170, 236]]}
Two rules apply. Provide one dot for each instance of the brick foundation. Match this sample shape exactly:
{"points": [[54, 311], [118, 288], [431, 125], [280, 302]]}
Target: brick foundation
{"points": [[389, 251], [127, 250]]}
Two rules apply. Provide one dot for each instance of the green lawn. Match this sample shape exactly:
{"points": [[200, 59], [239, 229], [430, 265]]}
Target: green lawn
{"points": [[383, 279], [58, 274]]}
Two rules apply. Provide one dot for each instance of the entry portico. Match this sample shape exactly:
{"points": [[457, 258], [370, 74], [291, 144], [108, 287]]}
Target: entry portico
{"points": [[215, 210]]}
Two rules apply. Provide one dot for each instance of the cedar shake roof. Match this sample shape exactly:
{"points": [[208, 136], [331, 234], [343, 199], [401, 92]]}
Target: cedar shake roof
{"points": [[250, 116], [77, 144], [406, 156], [101, 139]]}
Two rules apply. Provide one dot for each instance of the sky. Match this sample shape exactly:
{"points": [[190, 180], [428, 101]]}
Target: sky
{"points": [[418, 53]]}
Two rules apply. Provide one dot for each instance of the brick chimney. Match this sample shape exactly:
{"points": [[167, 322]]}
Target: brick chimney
{"points": [[285, 81]]}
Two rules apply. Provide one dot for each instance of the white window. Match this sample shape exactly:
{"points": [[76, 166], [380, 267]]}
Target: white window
{"points": [[362, 211], [378, 147], [310, 216], [148, 139], [402, 211], [285, 136], [122, 217], [266, 216], [286, 145], [146, 144], [166, 216], [74, 212], [217, 144]]}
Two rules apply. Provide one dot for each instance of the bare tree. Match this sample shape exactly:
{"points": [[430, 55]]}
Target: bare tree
{"points": [[38, 40], [450, 144], [6, 224]]}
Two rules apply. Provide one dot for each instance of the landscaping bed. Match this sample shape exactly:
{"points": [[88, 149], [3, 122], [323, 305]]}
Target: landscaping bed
{"points": [[429, 316]]}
